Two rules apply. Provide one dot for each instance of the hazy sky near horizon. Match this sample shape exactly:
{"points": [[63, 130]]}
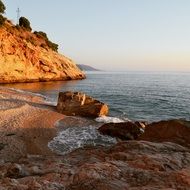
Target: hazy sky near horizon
{"points": [[137, 35]]}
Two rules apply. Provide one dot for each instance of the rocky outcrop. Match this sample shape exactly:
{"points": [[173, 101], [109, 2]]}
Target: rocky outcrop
{"points": [[124, 131], [27, 125], [78, 103], [131, 165], [177, 131], [25, 57]]}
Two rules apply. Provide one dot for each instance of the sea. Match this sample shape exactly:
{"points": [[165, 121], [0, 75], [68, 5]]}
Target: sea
{"points": [[146, 96], [142, 96]]}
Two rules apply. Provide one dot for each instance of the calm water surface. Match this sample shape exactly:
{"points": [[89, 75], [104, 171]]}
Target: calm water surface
{"points": [[133, 95]]}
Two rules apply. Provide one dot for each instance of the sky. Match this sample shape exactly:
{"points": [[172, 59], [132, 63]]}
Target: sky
{"points": [[114, 35]]}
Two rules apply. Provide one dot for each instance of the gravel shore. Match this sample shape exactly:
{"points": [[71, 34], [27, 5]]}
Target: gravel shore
{"points": [[26, 124]]}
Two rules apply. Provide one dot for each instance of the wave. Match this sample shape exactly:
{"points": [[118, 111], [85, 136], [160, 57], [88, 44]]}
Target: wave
{"points": [[48, 100], [106, 119], [73, 138], [25, 92], [77, 132]]}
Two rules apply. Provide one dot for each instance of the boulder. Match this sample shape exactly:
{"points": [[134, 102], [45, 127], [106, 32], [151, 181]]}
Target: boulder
{"points": [[78, 103], [124, 131], [176, 131]]}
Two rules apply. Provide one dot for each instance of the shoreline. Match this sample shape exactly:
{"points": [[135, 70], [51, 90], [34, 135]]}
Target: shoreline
{"points": [[160, 159], [40, 80], [26, 124]]}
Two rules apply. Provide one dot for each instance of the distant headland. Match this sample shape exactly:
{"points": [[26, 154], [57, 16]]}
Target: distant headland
{"points": [[87, 67]]}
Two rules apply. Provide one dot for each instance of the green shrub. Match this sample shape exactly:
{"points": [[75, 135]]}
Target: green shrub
{"points": [[2, 20], [41, 34], [25, 23], [50, 44], [2, 7]]}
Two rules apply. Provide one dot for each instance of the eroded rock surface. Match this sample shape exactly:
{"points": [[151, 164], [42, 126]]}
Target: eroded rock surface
{"points": [[26, 163], [177, 131], [78, 103], [25, 57], [133, 165]]}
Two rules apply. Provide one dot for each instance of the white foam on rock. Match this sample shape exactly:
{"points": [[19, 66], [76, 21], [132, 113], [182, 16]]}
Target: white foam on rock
{"points": [[73, 138], [106, 119]]}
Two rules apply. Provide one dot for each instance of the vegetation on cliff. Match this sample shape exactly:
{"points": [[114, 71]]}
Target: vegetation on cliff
{"points": [[25, 23], [44, 36], [2, 20], [2, 7], [2, 10], [28, 57]]}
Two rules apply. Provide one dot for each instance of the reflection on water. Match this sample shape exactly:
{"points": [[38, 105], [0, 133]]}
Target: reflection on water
{"points": [[49, 89], [133, 95], [41, 86]]}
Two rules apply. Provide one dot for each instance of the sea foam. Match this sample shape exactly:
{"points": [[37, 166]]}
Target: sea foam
{"points": [[72, 138], [106, 119]]}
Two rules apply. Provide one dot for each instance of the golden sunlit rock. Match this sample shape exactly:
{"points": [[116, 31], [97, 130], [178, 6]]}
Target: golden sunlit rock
{"points": [[25, 57]]}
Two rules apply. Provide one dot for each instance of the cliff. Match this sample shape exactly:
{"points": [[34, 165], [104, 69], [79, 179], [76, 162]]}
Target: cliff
{"points": [[26, 57]]}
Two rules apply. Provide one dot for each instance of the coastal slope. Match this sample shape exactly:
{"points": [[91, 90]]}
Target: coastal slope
{"points": [[26, 57]]}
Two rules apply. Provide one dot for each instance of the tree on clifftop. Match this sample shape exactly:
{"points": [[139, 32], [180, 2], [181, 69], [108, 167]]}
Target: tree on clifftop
{"points": [[25, 23], [2, 10], [2, 7]]}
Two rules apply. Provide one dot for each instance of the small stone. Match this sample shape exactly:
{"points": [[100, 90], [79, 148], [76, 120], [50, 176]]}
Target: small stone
{"points": [[16, 171]]}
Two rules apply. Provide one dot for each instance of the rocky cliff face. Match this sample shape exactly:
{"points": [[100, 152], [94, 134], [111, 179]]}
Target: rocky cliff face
{"points": [[25, 57]]}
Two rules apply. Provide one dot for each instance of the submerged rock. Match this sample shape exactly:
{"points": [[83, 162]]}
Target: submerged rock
{"points": [[78, 103], [177, 131], [124, 131]]}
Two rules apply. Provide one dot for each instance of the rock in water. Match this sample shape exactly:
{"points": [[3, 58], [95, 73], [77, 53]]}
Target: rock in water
{"points": [[77, 103], [26, 57], [123, 131], [176, 131]]}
